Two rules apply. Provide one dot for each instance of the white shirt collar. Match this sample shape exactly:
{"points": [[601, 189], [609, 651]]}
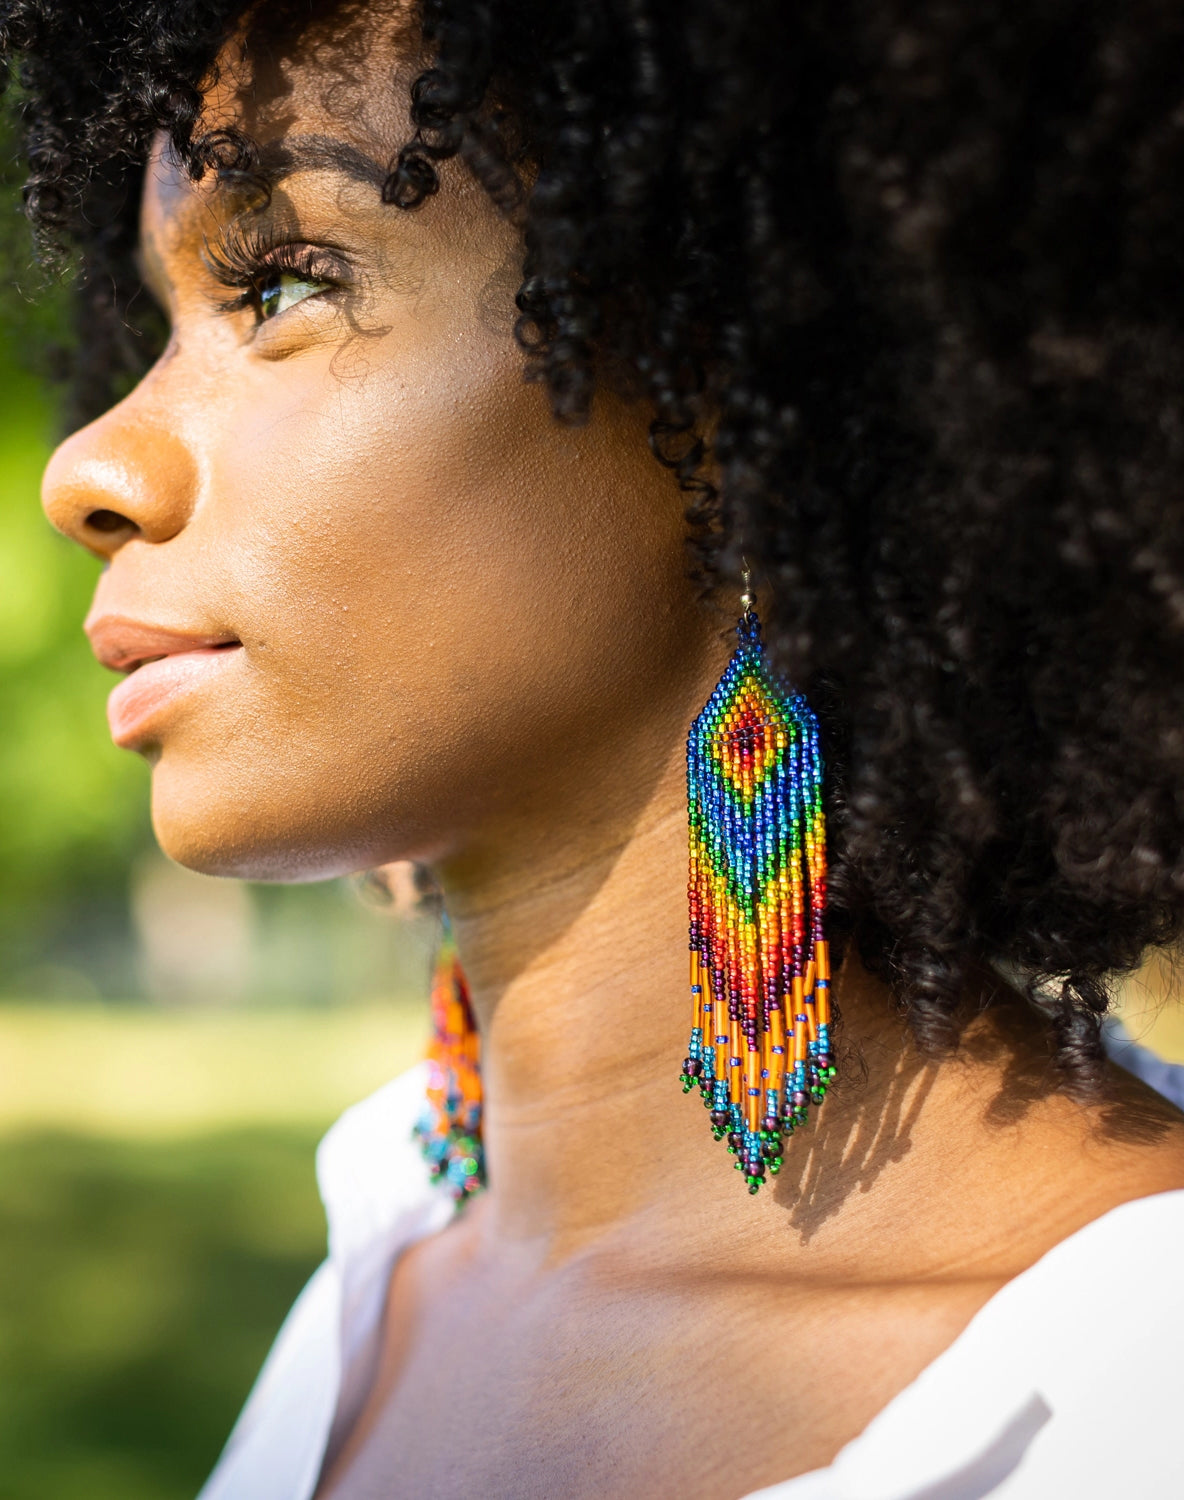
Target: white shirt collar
{"points": [[1012, 1405]]}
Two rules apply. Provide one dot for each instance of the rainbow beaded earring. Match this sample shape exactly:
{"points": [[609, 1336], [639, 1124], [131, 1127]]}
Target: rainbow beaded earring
{"points": [[760, 1047], [449, 1129]]}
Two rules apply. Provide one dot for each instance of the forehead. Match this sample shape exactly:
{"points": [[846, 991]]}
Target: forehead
{"points": [[331, 95], [348, 64]]}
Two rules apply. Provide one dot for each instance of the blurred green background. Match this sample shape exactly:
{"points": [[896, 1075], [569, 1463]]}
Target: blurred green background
{"points": [[171, 1049]]}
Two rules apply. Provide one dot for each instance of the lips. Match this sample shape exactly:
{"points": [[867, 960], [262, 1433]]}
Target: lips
{"points": [[163, 664]]}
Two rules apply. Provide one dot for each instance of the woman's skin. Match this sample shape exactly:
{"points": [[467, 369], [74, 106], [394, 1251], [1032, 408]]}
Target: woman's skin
{"points": [[430, 623]]}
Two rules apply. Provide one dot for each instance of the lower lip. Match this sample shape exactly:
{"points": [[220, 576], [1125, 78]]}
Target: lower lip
{"points": [[136, 705]]}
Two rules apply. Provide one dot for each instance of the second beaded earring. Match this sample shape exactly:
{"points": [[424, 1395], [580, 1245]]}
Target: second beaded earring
{"points": [[449, 1128], [760, 1048]]}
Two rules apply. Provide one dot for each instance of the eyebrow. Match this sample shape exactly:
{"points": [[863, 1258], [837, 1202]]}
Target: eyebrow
{"points": [[283, 158]]}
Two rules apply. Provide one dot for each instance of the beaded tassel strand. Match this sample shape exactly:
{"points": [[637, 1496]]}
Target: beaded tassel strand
{"points": [[760, 1048], [449, 1129]]}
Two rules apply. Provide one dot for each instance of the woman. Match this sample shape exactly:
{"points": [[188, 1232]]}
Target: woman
{"points": [[892, 293]]}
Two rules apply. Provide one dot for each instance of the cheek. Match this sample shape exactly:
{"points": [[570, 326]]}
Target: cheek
{"points": [[441, 592]]}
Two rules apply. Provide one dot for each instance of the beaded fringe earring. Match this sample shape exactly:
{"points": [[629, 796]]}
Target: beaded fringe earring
{"points": [[760, 1047], [449, 1129]]}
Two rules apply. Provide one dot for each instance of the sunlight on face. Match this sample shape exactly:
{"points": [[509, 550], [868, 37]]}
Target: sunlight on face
{"points": [[377, 603]]}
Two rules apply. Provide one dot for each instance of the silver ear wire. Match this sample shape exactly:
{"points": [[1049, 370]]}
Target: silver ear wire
{"points": [[747, 601]]}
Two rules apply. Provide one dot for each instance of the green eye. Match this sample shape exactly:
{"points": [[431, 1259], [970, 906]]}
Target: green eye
{"points": [[283, 291]]}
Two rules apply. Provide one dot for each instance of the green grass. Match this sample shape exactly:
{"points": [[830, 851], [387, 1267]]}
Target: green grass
{"points": [[158, 1215], [149, 1074], [142, 1284]]}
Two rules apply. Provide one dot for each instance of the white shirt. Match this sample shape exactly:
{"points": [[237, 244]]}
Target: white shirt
{"points": [[1065, 1386]]}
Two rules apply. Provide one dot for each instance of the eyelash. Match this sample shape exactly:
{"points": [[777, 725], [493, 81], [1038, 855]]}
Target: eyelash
{"points": [[245, 258]]}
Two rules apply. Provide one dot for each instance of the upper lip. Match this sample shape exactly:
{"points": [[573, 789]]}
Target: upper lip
{"points": [[123, 645]]}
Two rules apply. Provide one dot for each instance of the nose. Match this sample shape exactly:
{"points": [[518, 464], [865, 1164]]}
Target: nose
{"points": [[125, 476]]}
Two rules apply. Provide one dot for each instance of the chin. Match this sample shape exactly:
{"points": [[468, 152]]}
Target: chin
{"points": [[229, 831]]}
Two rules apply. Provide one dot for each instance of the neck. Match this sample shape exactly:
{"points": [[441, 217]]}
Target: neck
{"points": [[579, 986], [578, 971]]}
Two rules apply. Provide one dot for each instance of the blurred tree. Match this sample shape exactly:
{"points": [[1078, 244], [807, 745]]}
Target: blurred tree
{"points": [[73, 810]]}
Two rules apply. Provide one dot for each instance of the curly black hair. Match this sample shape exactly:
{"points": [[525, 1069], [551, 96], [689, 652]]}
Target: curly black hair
{"points": [[902, 282]]}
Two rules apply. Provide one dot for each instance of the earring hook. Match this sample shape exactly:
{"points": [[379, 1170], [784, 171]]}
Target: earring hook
{"points": [[747, 600]]}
